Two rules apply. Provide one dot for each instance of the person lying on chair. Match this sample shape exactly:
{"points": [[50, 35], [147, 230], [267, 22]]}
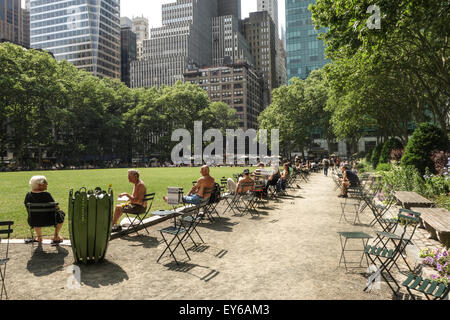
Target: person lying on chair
{"points": [[136, 203], [38, 194], [197, 193], [349, 179]]}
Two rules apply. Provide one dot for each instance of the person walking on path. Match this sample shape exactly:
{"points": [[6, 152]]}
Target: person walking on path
{"points": [[326, 165]]}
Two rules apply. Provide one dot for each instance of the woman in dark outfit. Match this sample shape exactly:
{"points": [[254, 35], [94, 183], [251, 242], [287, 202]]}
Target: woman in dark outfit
{"points": [[38, 194]]}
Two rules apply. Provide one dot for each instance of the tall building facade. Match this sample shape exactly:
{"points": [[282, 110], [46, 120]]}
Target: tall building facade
{"points": [[128, 49], [236, 85], [270, 6], [11, 21], [281, 64], [84, 32], [141, 29], [304, 52], [26, 24], [183, 40], [229, 8], [228, 43], [261, 35]]}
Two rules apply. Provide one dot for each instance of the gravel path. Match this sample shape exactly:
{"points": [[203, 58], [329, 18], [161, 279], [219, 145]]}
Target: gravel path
{"points": [[290, 252]]}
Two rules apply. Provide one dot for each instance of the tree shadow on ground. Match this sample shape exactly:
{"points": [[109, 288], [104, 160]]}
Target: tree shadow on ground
{"points": [[142, 240], [44, 263], [102, 274]]}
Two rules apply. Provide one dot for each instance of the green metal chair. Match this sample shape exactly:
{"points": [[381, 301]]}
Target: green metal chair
{"points": [[4, 230], [387, 254], [140, 217], [41, 215], [430, 288]]}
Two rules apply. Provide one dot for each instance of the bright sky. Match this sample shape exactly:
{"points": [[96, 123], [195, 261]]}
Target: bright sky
{"points": [[151, 9]]}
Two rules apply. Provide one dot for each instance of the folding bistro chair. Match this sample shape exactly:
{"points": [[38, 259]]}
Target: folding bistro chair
{"points": [[224, 183], [182, 229], [379, 210], [245, 199], [140, 217], [41, 215], [359, 203], [430, 288], [258, 195], [383, 237], [215, 199], [387, 256], [5, 229], [238, 203]]}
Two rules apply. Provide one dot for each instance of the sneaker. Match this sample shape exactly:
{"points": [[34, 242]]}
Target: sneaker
{"points": [[116, 228]]}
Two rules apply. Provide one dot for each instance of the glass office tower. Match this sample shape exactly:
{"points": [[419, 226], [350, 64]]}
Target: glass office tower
{"points": [[304, 51], [83, 32]]}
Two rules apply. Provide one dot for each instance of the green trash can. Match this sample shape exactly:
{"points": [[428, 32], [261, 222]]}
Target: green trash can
{"points": [[90, 222]]}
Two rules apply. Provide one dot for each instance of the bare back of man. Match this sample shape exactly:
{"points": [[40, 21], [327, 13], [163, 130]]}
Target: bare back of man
{"points": [[205, 182]]}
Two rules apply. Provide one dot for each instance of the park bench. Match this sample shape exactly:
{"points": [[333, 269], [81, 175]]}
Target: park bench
{"points": [[409, 199], [437, 223]]}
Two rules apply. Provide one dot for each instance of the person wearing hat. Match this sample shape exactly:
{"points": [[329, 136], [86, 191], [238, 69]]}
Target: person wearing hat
{"points": [[349, 179], [244, 184]]}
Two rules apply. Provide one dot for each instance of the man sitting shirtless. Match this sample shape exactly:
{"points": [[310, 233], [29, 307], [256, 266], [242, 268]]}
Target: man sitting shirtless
{"points": [[136, 203], [197, 193]]}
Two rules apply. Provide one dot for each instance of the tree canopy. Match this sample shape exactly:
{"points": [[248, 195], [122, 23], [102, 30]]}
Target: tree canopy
{"points": [[76, 117]]}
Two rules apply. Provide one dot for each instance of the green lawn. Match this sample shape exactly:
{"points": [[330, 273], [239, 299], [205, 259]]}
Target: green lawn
{"points": [[14, 186]]}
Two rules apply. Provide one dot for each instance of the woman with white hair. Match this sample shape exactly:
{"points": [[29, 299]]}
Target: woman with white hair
{"points": [[38, 194]]}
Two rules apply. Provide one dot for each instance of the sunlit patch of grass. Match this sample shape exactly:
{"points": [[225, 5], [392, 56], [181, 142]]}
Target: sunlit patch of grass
{"points": [[14, 186]]}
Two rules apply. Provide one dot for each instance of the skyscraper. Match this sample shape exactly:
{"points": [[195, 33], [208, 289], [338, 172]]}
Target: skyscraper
{"points": [[128, 49], [11, 21], [26, 24], [84, 32], [183, 40], [228, 44], [260, 33], [304, 51], [141, 29], [270, 6], [229, 7]]}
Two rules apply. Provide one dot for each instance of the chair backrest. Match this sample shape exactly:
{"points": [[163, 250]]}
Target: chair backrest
{"points": [[207, 192], [223, 181], [215, 194], [42, 214], [5, 230], [408, 218], [244, 187], [149, 199]]}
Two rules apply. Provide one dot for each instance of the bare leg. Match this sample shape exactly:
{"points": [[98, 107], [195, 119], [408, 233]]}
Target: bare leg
{"points": [[56, 237], [39, 234], [117, 214], [345, 185]]}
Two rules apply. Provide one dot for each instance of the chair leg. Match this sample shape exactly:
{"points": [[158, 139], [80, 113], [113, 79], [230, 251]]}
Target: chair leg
{"points": [[3, 278], [167, 248]]}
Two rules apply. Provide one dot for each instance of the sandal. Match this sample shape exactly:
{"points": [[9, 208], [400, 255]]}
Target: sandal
{"points": [[56, 241], [34, 240]]}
